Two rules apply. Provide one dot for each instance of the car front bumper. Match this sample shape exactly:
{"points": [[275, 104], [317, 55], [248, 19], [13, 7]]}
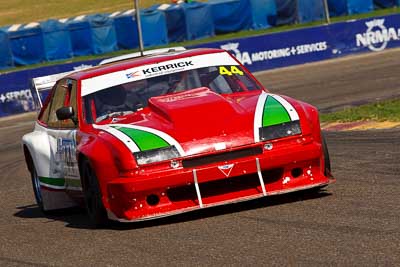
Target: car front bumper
{"points": [[289, 166]]}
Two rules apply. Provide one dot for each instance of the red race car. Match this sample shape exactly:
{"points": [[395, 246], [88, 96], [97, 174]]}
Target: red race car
{"points": [[163, 134]]}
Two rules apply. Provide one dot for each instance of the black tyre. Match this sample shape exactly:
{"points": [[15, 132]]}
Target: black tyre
{"points": [[327, 160], [36, 187], [94, 206]]}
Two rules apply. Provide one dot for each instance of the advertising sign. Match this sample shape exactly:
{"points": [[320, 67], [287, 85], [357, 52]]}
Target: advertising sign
{"points": [[301, 46]]}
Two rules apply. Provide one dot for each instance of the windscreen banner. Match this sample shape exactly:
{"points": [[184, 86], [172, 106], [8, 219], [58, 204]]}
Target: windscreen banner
{"points": [[258, 53]]}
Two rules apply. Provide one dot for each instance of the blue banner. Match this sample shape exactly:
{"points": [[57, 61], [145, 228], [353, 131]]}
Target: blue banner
{"points": [[301, 46], [257, 53], [15, 93]]}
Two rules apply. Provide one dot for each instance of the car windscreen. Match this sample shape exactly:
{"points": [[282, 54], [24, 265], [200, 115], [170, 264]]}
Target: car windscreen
{"points": [[132, 96]]}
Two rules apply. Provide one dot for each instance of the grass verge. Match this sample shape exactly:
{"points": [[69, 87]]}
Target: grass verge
{"points": [[388, 110]]}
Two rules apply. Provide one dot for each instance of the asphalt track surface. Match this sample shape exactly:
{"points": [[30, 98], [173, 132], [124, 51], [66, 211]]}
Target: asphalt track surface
{"points": [[353, 222]]}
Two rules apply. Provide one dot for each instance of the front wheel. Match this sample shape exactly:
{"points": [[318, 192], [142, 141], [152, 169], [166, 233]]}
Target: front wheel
{"points": [[327, 161], [94, 205]]}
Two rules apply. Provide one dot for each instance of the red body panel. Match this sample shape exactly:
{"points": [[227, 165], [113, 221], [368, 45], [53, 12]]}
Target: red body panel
{"points": [[198, 119]]}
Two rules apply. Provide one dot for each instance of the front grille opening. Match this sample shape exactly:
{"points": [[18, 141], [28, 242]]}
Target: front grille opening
{"points": [[225, 156], [224, 186], [272, 175]]}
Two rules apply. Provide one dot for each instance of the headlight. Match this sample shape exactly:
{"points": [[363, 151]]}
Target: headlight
{"points": [[156, 155], [280, 130]]}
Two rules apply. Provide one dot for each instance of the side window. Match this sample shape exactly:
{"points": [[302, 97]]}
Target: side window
{"points": [[64, 95], [57, 102], [44, 115], [71, 101]]}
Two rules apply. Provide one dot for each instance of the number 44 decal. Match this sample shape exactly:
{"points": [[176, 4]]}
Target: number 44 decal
{"points": [[230, 70]]}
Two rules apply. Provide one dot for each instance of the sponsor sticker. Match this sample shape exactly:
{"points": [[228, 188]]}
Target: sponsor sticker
{"points": [[226, 169], [377, 35], [153, 70], [249, 58]]}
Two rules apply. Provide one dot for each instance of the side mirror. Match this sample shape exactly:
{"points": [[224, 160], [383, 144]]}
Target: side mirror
{"points": [[65, 113]]}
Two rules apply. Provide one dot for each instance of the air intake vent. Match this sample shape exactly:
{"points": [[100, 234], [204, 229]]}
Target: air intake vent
{"points": [[231, 155]]}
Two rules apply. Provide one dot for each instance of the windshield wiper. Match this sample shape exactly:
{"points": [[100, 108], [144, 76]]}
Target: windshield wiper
{"points": [[113, 115]]}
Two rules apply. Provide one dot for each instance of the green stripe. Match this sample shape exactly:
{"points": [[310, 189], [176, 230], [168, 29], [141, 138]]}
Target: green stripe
{"points": [[144, 140], [274, 113], [52, 181]]}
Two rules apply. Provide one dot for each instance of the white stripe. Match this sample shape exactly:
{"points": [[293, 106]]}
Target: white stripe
{"points": [[121, 136], [294, 116], [259, 115], [163, 135], [120, 77], [63, 20], [14, 27], [163, 7], [52, 186], [79, 18], [129, 12], [196, 185], [31, 25], [115, 14], [260, 177]]}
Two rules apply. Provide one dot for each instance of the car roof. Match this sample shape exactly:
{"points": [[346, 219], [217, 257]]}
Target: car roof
{"points": [[135, 62]]}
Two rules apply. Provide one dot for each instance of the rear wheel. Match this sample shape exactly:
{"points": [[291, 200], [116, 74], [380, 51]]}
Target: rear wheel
{"points": [[36, 187], [94, 205]]}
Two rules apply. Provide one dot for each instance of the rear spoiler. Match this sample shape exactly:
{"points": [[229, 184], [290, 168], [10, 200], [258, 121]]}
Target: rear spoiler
{"points": [[40, 86], [145, 53]]}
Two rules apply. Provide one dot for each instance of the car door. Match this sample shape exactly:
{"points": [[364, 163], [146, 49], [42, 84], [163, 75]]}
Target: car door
{"points": [[62, 135]]}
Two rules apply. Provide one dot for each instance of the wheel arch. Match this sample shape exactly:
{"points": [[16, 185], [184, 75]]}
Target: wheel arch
{"points": [[28, 158], [36, 150]]}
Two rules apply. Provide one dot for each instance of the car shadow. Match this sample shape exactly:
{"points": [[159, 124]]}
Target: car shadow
{"points": [[76, 217]]}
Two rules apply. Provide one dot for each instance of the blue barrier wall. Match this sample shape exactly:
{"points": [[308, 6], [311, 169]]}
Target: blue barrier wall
{"points": [[103, 33], [126, 30], [199, 21], [310, 10], [26, 43], [6, 60], [349, 7], [175, 17], [154, 26], [386, 3], [231, 15], [257, 53], [81, 36], [264, 13], [57, 41]]}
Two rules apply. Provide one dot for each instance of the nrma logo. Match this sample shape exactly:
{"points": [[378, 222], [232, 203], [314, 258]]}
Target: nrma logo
{"points": [[377, 36]]}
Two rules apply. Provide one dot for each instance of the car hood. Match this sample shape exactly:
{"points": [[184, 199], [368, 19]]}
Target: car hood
{"points": [[196, 121]]}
